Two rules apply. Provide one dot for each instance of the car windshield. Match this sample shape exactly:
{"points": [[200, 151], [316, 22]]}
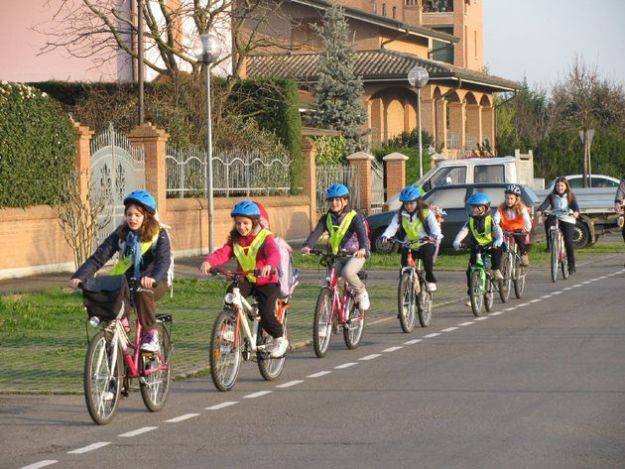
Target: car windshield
{"points": [[447, 198], [448, 176]]}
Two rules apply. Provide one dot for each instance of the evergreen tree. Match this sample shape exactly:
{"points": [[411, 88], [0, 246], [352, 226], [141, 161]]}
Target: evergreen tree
{"points": [[339, 92]]}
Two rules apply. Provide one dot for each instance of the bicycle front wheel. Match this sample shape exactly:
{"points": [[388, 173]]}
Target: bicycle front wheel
{"points": [[225, 353], [156, 372], [352, 331], [406, 303], [271, 368], [102, 379], [476, 293], [322, 325]]}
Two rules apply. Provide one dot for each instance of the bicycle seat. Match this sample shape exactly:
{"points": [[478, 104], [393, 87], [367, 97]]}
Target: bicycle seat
{"points": [[163, 317]]}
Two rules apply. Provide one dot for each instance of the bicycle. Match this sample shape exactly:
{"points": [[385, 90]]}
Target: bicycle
{"points": [[113, 358], [514, 273], [412, 289], [234, 340], [481, 283], [559, 259], [334, 309]]}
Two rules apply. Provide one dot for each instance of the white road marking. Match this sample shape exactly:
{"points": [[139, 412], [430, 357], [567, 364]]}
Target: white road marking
{"points": [[535, 300], [223, 405], [182, 418], [482, 318], [468, 323], [91, 447], [449, 329], [544, 297], [345, 365], [256, 394], [433, 334], [511, 308], [496, 313], [44, 463], [559, 292], [393, 349], [370, 357], [522, 305], [136, 432], [290, 384], [319, 374], [412, 341]]}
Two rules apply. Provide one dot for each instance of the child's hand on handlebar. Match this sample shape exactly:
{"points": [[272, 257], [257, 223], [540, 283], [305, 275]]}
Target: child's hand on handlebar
{"points": [[265, 271], [360, 253], [205, 268], [305, 250], [147, 282], [74, 283]]}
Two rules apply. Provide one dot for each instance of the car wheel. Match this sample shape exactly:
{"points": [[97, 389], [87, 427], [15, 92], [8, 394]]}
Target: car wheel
{"points": [[581, 235]]}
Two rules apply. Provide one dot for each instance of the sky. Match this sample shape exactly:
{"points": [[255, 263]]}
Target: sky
{"points": [[540, 39]]}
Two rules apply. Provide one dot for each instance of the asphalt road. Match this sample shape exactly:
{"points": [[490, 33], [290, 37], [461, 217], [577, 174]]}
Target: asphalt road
{"points": [[538, 383]]}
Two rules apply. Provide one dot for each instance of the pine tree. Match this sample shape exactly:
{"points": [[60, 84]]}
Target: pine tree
{"points": [[339, 92]]}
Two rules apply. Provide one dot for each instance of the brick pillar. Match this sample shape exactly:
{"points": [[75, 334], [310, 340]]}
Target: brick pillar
{"points": [[361, 162], [395, 173], [153, 141], [427, 115], [309, 151], [474, 125], [488, 125], [457, 117], [441, 122], [83, 159]]}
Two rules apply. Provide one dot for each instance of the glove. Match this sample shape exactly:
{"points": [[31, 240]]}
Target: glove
{"points": [[457, 245], [383, 239], [498, 242]]}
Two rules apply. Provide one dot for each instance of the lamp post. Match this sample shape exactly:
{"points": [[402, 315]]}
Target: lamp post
{"points": [[210, 53], [140, 53], [418, 77]]}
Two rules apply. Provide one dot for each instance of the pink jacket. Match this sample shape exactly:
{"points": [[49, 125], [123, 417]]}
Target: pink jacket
{"points": [[268, 254]]}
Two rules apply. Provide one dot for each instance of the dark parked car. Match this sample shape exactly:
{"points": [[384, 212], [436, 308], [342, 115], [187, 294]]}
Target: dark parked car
{"points": [[452, 199]]}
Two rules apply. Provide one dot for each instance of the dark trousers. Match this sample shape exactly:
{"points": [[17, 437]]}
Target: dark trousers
{"points": [[568, 230], [426, 254], [266, 296], [524, 247], [145, 301], [495, 259]]}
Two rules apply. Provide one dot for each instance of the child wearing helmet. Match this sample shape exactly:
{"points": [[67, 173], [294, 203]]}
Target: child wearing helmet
{"points": [[414, 220], [346, 228], [481, 231], [145, 257], [513, 216], [254, 248]]}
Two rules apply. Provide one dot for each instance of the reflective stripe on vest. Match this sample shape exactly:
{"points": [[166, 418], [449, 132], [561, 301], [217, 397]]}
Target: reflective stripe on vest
{"points": [[511, 224], [482, 238], [246, 256], [413, 228], [337, 233], [127, 262]]}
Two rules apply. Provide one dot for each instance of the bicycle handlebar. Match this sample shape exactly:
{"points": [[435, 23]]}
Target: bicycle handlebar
{"points": [[229, 274], [404, 243]]}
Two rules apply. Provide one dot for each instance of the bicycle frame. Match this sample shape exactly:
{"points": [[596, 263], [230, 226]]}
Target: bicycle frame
{"points": [[479, 266], [338, 303], [243, 310]]}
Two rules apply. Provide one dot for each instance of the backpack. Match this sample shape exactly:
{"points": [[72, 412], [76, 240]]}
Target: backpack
{"points": [[352, 244]]}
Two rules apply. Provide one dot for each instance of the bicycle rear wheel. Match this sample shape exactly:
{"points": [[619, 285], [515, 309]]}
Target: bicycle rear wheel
{"points": [[505, 285], [352, 331], [155, 384], [322, 324], [406, 303], [225, 353], [102, 381], [519, 281], [271, 368], [489, 295], [555, 248], [476, 293], [564, 263], [424, 305]]}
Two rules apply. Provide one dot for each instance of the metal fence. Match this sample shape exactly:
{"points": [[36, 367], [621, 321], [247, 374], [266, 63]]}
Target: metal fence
{"points": [[378, 194], [346, 174], [235, 173]]}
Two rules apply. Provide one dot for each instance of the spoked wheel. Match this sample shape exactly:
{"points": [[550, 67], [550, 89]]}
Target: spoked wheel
{"points": [[406, 303], [102, 379], [352, 331], [519, 281], [271, 368], [225, 352], [555, 253], [505, 285], [489, 295], [322, 325], [477, 293], [156, 380], [424, 304]]}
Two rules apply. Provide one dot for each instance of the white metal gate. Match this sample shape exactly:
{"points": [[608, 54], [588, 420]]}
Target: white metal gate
{"points": [[117, 168], [377, 186], [330, 174]]}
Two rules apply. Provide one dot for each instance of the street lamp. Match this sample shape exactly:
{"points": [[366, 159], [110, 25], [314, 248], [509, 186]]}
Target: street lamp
{"points": [[418, 77], [210, 53]]}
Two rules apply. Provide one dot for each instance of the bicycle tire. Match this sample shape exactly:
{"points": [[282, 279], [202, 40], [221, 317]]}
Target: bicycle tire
{"points": [[154, 397], [476, 293], [271, 368], [224, 324], [555, 246], [424, 306], [100, 411], [406, 303], [353, 334], [519, 282], [489, 295], [322, 323], [505, 285]]}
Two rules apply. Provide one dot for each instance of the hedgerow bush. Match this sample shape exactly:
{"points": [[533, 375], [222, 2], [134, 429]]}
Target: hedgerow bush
{"points": [[37, 147]]}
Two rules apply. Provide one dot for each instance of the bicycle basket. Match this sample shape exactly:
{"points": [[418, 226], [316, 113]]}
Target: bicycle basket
{"points": [[106, 296]]}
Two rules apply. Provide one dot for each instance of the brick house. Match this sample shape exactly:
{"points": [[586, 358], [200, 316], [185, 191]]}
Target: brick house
{"points": [[390, 37]]}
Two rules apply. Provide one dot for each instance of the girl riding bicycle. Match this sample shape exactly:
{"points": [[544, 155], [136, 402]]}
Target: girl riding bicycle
{"points": [[347, 231], [562, 200], [513, 216], [415, 221], [481, 231], [254, 249], [145, 258]]}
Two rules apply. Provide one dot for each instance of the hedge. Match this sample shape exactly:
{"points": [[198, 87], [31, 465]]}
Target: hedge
{"points": [[37, 147]]}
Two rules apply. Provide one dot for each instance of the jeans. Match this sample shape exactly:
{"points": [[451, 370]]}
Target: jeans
{"points": [[348, 269], [266, 297], [568, 231]]}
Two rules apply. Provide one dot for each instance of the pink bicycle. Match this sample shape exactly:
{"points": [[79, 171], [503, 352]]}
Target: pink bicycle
{"points": [[335, 308], [113, 359]]}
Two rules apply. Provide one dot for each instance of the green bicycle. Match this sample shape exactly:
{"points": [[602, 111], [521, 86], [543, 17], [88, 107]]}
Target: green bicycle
{"points": [[482, 283]]}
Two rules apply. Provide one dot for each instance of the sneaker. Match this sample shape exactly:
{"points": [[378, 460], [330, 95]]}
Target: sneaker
{"points": [[363, 300], [468, 303], [280, 346], [149, 341], [431, 287], [571, 270], [525, 260], [498, 275]]}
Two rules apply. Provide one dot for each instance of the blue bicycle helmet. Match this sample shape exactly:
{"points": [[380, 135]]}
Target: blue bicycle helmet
{"points": [[337, 190], [142, 198], [479, 198], [410, 194], [246, 208]]}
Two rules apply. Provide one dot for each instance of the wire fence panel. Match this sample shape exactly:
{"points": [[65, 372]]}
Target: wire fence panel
{"points": [[377, 186], [330, 174], [235, 173]]}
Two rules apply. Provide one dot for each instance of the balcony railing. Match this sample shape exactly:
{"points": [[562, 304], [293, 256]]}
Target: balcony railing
{"points": [[438, 6]]}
